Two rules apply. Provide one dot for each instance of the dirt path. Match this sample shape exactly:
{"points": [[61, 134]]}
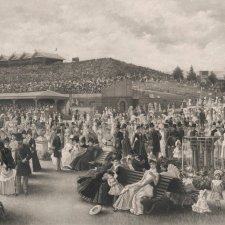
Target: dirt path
{"points": [[53, 200]]}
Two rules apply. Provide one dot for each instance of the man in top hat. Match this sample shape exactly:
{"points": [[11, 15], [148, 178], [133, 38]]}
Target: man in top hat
{"points": [[119, 136], [156, 137], [139, 142], [125, 142], [180, 131], [22, 157], [148, 139]]}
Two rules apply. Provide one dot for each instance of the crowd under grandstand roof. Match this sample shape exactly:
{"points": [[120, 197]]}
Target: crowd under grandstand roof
{"points": [[34, 95]]}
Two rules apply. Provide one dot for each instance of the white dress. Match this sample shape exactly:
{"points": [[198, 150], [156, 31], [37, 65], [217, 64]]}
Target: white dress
{"points": [[201, 206], [66, 155], [7, 181], [131, 196], [163, 143], [115, 186]]}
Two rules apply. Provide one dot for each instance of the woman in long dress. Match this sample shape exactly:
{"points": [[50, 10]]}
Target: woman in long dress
{"points": [[13, 145], [131, 195], [93, 187], [82, 161], [7, 172], [162, 141], [66, 153], [32, 145]]}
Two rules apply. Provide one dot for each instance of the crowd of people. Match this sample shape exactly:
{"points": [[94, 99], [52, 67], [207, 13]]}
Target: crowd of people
{"points": [[137, 140], [84, 77]]}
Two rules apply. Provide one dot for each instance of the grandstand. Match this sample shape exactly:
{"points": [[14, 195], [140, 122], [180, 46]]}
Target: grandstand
{"points": [[81, 77], [91, 77]]}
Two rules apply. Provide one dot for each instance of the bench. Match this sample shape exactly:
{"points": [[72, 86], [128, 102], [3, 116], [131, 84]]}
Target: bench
{"points": [[166, 184], [100, 159]]}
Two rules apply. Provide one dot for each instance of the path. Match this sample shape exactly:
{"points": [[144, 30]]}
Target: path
{"points": [[53, 200]]}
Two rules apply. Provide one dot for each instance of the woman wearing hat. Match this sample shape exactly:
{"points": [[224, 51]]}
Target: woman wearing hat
{"points": [[7, 165], [131, 196], [32, 145], [66, 152], [82, 162], [13, 144]]}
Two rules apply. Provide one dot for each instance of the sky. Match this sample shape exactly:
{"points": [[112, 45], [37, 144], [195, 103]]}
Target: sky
{"points": [[160, 34]]}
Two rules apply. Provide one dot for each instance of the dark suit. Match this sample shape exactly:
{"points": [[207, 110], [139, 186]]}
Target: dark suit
{"points": [[57, 151], [22, 167], [156, 137]]}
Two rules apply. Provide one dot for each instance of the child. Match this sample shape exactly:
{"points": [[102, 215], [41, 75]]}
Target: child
{"points": [[201, 206], [177, 151], [115, 186], [217, 188]]}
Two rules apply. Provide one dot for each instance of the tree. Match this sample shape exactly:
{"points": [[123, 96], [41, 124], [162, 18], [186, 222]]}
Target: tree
{"points": [[212, 78], [191, 75], [178, 74]]}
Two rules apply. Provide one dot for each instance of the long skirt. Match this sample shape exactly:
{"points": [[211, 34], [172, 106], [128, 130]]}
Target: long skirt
{"points": [[94, 190], [137, 207], [124, 201], [36, 162], [7, 184]]}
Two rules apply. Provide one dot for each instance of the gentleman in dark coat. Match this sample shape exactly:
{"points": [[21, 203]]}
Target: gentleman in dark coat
{"points": [[156, 137], [125, 142], [148, 140], [22, 157], [56, 143], [118, 141], [180, 132], [139, 142]]}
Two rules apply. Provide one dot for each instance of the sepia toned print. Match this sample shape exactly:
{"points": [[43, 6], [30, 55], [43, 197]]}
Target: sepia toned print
{"points": [[112, 112]]}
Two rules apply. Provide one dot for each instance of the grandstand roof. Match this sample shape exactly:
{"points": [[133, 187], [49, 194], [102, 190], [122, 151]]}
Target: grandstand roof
{"points": [[3, 58], [26, 55], [47, 55], [34, 95], [15, 56]]}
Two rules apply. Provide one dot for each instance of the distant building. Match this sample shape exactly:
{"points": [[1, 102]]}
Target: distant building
{"points": [[204, 75], [75, 60], [220, 83], [220, 75], [30, 59]]}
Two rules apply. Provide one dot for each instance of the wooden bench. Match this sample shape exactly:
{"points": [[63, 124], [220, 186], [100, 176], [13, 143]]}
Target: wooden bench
{"points": [[165, 184], [100, 159]]}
